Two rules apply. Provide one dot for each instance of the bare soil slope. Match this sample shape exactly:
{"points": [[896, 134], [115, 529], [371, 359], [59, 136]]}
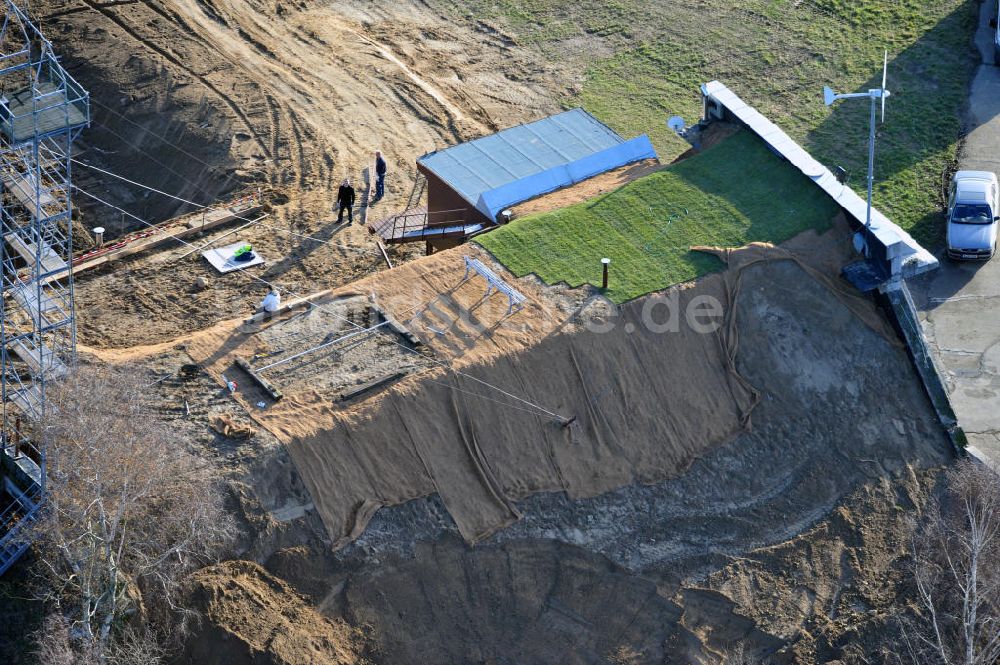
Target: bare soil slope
{"points": [[296, 95], [256, 618], [205, 99], [787, 539], [790, 536]]}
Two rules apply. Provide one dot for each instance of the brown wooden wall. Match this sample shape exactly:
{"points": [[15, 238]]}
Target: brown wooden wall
{"points": [[441, 198]]}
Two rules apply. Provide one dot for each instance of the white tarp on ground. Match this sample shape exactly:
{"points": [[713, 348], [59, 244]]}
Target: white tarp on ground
{"points": [[224, 260]]}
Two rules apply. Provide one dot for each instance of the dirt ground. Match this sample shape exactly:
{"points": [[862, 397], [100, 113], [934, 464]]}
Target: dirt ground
{"points": [[205, 99], [784, 540]]}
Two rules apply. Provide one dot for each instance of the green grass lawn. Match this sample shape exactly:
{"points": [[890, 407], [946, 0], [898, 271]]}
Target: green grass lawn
{"points": [[636, 62], [647, 227]]}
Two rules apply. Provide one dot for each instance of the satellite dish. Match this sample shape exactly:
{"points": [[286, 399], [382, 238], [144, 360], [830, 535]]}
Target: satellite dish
{"points": [[829, 96], [676, 124], [860, 242]]}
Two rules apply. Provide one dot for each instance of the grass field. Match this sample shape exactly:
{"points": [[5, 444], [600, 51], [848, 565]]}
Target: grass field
{"points": [[647, 227], [640, 61]]}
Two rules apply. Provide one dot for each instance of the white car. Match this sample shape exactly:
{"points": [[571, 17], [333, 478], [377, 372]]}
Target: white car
{"points": [[973, 203]]}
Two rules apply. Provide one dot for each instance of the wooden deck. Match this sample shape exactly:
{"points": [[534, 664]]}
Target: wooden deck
{"points": [[412, 226]]}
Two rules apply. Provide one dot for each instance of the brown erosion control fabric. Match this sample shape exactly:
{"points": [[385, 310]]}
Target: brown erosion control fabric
{"points": [[644, 405]]}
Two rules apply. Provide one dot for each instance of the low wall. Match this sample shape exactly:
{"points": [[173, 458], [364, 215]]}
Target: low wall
{"points": [[898, 303]]}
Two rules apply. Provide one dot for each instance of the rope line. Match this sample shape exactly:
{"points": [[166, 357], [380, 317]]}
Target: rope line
{"points": [[205, 207], [242, 271]]}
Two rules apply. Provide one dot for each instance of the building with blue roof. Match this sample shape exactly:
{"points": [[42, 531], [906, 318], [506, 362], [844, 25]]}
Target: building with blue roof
{"points": [[469, 185]]}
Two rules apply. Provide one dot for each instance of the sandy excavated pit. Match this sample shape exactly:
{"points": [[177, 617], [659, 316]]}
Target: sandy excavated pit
{"points": [[783, 532], [361, 358], [785, 538]]}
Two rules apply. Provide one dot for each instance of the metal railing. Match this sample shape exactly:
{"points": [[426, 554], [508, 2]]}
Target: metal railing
{"points": [[411, 224]]}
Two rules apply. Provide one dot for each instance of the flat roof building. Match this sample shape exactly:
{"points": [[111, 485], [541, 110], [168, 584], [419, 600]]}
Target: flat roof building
{"points": [[469, 185]]}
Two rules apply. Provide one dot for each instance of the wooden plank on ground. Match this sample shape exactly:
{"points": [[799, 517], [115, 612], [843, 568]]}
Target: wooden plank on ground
{"points": [[356, 391], [151, 238], [384, 254], [23, 189], [269, 387]]}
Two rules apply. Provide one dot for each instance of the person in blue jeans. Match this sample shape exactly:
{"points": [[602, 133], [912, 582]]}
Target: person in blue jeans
{"points": [[379, 175]]}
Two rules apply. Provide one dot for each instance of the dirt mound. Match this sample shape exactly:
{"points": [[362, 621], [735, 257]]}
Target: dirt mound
{"points": [[254, 618], [831, 591]]}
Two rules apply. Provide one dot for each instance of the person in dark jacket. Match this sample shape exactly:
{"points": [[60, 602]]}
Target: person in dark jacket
{"points": [[345, 199], [380, 167]]}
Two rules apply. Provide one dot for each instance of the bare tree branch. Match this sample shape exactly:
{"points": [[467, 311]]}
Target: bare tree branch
{"points": [[956, 572], [129, 506]]}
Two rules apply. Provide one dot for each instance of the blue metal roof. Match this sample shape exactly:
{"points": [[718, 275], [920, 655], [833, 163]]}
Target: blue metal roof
{"points": [[484, 164]]}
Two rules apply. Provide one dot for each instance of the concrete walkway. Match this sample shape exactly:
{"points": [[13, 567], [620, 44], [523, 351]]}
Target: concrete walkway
{"points": [[960, 302]]}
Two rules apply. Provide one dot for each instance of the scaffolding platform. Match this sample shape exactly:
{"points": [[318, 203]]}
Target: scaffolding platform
{"points": [[49, 259], [40, 359], [27, 399], [23, 189], [27, 296], [38, 110]]}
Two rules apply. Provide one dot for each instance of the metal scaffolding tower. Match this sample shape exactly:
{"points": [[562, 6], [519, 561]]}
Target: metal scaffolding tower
{"points": [[42, 111]]}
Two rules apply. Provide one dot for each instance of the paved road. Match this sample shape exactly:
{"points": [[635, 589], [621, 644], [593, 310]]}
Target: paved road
{"points": [[960, 302]]}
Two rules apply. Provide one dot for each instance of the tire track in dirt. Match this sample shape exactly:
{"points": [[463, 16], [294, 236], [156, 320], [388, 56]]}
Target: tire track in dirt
{"points": [[233, 106], [453, 111], [262, 47], [297, 149], [274, 119], [281, 114], [77, 10]]}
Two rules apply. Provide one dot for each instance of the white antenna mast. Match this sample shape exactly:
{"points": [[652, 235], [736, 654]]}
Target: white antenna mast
{"points": [[885, 68], [829, 97]]}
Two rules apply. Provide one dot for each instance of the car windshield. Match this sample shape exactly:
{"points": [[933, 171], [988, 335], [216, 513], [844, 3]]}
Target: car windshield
{"points": [[971, 214]]}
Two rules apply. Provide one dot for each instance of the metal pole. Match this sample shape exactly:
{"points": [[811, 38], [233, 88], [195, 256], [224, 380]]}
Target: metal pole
{"points": [[871, 175], [321, 346]]}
